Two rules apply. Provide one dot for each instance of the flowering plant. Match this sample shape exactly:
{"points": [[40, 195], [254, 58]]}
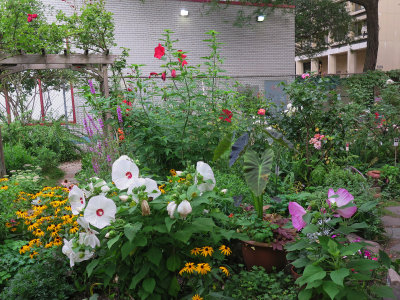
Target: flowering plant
{"points": [[139, 232], [333, 264]]}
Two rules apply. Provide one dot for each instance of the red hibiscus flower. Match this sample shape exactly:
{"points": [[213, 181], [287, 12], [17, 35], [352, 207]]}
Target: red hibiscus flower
{"points": [[159, 51], [226, 115], [163, 76], [29, 18], [181, 58], [129, 90], [173, 73], [153, 74], [34, 16]]}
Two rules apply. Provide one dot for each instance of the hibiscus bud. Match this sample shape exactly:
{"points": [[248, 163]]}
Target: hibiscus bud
{"points": [[145, 208], [184, 208], [179, 173], [123, 198], [224, 191], [171, 207], [105, 188]]}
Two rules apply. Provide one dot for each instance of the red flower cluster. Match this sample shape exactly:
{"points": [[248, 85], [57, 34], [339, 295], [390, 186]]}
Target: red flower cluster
{"points": [[159, 51], [129, 103], [153, 74], [31, 17], [226, 115], [181, 58], [121, 135]]}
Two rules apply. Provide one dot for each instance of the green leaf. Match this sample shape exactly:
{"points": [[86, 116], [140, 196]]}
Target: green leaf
{"points": [[154, 255], [351, 249], [173, 262], [149, 284], [130, 230], [126, 249], [257, 170], [338, 276], [310, 228], [305, 295], [367, 206], [202, 224], [364, 265], [111, 242], [359, 225], [183, 235], [384, 259], [174, 287], [301, 244], [314, 284], [90, 267], [311, 273], [333, 248], [140, 241], [139, 276], [169, 222], [301, 262], [223, 146], [383, 291], [331, 289]]}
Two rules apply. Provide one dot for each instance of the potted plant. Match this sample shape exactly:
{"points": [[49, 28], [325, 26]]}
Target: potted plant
{"points": [[267, 232]]}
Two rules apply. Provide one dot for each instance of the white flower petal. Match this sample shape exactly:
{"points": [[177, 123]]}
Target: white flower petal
{"points": [[184, 208], [171, 207], [124, 172], [151, 188], [76, 198], [205, 170], [100, 211]]}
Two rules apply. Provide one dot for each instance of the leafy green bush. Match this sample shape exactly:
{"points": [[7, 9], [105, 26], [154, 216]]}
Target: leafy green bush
{"points": [[16, 156], [258, 284], [46, 158], [45, 279]]}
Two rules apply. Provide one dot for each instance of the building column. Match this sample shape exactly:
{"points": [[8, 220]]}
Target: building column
{"points": [[299, 67], [351, 61], [331, 64], [314, 65]]}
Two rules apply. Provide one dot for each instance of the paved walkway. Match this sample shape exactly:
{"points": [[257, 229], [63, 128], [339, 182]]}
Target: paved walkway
{"points": [[392, 228], [70, 169]]}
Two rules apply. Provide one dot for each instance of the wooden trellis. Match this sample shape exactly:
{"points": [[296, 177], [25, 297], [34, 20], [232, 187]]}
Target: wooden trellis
{"points": [[95, 65]]}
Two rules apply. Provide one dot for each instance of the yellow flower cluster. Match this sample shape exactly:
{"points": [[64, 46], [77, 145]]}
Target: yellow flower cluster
{"points": [[206, 250], [48, 220], [190, 268]]}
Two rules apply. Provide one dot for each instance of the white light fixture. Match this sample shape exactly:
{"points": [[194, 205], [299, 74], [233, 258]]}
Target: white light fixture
{"points": [[184, 12], [260, 18]]}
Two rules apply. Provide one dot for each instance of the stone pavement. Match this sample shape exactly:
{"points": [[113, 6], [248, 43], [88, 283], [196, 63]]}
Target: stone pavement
{"points": [[70, 169]]}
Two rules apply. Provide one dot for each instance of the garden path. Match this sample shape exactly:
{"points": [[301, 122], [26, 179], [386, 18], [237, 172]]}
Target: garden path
{"points": [[70, 169]]}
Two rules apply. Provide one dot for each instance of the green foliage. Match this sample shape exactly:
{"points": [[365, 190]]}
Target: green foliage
{"points": [[45, 279], [258, 284], [16, 157], [11, 261]]}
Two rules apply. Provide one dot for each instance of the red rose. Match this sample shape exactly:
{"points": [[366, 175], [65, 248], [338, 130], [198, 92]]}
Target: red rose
{"points": [[173, 73], [159, 51], [163, 76]]}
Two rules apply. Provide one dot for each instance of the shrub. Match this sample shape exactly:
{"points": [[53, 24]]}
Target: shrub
{"points": [[16, 156], [45, 279]]}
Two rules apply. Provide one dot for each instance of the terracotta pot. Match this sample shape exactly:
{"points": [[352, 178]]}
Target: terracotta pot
{"points": [[263, 255], [375, 174], [295, 275]]}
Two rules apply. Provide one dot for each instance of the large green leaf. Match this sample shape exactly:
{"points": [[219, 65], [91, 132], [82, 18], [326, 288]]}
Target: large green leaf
{"points": [[338, 275], [238, 147], [223, 146], [257, 170]]}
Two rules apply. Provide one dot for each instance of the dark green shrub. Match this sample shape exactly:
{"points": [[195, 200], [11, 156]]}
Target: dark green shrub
{"points": [[46, 158], [45, 279], [16, 156]]}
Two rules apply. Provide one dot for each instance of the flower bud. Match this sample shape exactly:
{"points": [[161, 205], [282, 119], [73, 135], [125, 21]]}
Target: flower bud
{"points": [[224, 191], [184, 208], [105, 188], [179, 173], [171, 207], [145, 208], [123, 198]]}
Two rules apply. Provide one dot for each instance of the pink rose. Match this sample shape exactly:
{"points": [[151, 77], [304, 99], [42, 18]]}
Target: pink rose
{"points": [[261, 111]]}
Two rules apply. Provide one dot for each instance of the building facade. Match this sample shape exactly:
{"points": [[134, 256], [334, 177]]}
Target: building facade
{"points": [[349, 59]]}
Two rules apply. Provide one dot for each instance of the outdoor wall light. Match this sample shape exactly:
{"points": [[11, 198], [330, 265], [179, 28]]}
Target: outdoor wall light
{"points": [[184, 12], [260, 18]]}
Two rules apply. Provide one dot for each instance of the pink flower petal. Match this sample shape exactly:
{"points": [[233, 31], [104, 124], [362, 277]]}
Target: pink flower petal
{"points": [[347, 212], [344, 197], [296, 210], [298, 222]]}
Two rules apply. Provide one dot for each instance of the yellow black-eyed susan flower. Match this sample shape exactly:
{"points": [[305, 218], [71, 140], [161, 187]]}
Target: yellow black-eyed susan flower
{"points": [[224, 270], [206, 250], [225, 250], [195, 251], [197, 297], [173, 172], [74, 229], [33, 254], [203, 268]]}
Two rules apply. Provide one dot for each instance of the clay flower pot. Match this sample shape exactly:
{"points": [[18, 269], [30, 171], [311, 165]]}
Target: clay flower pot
{"points": [[375, 174], [263, 255]]}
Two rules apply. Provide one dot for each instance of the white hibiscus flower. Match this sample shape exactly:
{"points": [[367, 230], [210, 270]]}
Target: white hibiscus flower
{"points": [[100, 211], [124, 172], [205, 170], [88, 237], [76, 198], [184, 208], [151, 188], [171, 207]]}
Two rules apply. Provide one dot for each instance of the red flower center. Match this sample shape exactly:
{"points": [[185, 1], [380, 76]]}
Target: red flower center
{"points": [[99, 212], [129, 175], [81, 200]]}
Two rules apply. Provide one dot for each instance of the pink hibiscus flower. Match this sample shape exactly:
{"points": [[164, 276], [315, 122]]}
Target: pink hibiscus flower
{"points": [[342, 198], [297, 212]]}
